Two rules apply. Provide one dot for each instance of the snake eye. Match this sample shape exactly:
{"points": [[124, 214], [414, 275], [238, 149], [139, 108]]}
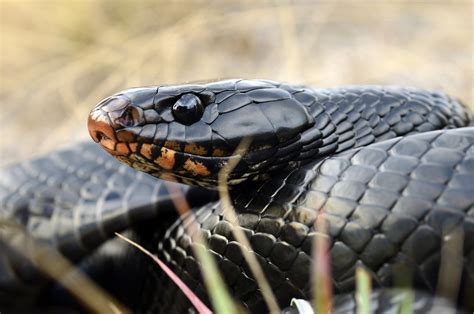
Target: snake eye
{"points": [[188, 109]]}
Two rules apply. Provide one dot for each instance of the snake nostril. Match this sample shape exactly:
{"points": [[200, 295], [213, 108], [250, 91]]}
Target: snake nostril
{"points": [[99, 136]]}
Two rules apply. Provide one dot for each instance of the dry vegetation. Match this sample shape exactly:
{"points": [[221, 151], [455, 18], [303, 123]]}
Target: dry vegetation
{"points": [[59, 58]]}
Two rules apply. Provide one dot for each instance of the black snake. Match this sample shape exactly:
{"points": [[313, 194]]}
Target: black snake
{"points": [[390, 170]]}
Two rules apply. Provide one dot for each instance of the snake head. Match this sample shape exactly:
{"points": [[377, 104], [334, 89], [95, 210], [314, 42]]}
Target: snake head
{"points": [[188, 133]]}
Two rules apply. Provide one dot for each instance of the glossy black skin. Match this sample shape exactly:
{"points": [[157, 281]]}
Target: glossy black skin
{"points": [[389, 207], [413, 225], [74, 200], [288, 125], [272, 211]]}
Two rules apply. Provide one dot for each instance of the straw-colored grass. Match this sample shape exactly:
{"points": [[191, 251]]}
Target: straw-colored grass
{"points": [[231, 216], [59, 58], [55, 266], [217, 290]]}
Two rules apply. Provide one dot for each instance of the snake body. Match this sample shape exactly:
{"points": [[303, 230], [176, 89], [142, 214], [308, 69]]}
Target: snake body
{"points": [[389, 169]]}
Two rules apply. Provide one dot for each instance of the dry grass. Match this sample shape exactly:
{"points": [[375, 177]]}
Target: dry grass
{"points": [[59, 58], [239, 235], [213, 281], [55, 266]]}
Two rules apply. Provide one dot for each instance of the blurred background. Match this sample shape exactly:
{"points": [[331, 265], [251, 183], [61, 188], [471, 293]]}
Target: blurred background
{"points": [[59, 58]]}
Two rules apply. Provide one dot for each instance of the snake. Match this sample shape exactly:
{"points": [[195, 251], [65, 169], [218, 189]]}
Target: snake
{"points": [[388, 169]]}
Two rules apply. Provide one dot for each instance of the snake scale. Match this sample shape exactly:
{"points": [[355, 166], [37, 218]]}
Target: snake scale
{"points": [[388, 169]]}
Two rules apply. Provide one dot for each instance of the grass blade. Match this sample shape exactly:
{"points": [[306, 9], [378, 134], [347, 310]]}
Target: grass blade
{"points": [[363, 291], [56, 266], [218, 293], [321, 273], [229, 215], [198, 304], [406, 304], [450, 270]]}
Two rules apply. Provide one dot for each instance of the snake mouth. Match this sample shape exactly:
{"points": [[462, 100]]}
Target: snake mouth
{"points": [[162, 160]]}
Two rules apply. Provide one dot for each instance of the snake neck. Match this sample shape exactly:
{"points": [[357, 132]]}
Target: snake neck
{"points": [[352, 117]]}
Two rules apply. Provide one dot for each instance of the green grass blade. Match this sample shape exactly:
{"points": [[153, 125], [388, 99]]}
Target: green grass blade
{"points": [[406, 304], [215, 287], [363, 291]]}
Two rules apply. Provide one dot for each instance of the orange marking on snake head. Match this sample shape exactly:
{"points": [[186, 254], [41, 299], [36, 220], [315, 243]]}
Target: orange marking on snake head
{"points": [[218, 152], [168, 177], [195, 149], [196, 168], [125, 136], [109, 145], [167, 158], [122, 149], [99, 126], [173, 145], [145, 151], [133, 147]]}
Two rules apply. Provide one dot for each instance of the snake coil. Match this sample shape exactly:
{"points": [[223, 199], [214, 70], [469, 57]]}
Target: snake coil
{"points": [[388, 169]]}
